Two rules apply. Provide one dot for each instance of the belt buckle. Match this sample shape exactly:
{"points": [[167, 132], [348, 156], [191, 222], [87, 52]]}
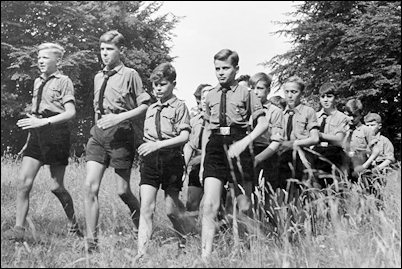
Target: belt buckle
{"points": [[224, 130]]}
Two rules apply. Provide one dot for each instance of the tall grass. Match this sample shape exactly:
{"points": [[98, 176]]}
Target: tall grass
{"points": [[350, 230]]}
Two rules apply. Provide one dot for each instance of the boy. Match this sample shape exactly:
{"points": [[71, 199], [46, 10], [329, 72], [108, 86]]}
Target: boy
{"points": [[192, 151], [381, 147], [301, 130], [228, 108], [333, 128], [266, 146], [166, 129], [356, 142], [119, 98], [53, 105]]}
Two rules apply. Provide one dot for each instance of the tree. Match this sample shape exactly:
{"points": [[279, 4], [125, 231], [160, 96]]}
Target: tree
{"points": [[354, 44], [77, 26]]}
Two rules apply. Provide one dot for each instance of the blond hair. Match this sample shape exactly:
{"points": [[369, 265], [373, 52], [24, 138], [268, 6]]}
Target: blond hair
{"points": [[56, 48]]}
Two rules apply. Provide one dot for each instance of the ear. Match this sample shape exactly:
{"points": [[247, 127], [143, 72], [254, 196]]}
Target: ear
{"points": [[174, 83], [122, 49], [237, 69], [58, 62]]}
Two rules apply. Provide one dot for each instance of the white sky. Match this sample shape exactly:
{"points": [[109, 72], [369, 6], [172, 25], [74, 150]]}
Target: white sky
{"points": [[208, 26]]}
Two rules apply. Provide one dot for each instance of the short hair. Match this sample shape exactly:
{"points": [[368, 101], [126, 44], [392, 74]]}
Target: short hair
{"points": [[354, 106], [199, 90], [113, 37], [278, 101], [298, 81], [372, 117], [163, 71], [245, 78], [57, 49], [328, 88], [261, 76], [227, 54]]}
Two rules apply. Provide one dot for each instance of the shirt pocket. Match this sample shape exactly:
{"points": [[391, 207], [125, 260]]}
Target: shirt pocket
{"points": [[238, 108], [301, 127], [359, 141], [55, 94], [168, 121], [214, 109], [121, 96], [149, 122]]}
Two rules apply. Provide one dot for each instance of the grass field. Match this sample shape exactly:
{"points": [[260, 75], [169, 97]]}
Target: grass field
{"points": [[360, 236]]}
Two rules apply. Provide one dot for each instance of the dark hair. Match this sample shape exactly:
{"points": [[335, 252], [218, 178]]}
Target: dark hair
{"points": [[372, 117], [278, 101], [245, 78], [164, 70], [327, 88], [261, 76], [198, 91], [354, 106], [227, 54], [298, 81], [113, 37]]}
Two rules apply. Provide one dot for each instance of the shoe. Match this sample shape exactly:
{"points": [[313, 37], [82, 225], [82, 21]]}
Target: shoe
{"points": [[74, 230], [92, 246], [17, 233]]}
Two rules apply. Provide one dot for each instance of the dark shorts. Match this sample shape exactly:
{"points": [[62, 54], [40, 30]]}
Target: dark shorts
{"points": [[112, 147], [269, 168], [286, 161], [335, 155], [193, 177], [163, 167], [216, 163], [50, 144]]}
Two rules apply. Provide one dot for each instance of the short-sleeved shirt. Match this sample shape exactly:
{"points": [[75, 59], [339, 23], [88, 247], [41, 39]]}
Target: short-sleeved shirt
{"points": [[274, 117], [56, 92], [384, 145], [197, 125], [304, 120], [336, 122], [238, 99], [174, 118], [123, 92], [360, 138]]}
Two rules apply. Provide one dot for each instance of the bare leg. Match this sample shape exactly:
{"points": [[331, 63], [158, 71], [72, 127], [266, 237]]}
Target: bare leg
{"points": [[93, 179], [126, 195], [175, 213], [148, 202], [212, 196], [57, 174], [29, 169]]}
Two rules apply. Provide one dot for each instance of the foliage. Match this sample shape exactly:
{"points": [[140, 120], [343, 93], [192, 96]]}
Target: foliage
{"points": [[77, 26], [356, 45]]}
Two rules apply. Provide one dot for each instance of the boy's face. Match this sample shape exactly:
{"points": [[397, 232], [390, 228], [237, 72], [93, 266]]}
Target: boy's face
{"points": [[327, 100], [292, 94], [225, 72], [374, 125], [163, 89], [110, 54], [261, 91], [355, 119], [47, 61]]}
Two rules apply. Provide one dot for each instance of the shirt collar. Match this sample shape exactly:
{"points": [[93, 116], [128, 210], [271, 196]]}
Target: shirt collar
{"points": [[119, 69], [296, 109], [231, 88], [167, 102], [56, 74], [321, 113]]}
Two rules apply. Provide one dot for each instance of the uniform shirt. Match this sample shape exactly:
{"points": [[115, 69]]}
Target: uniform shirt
{"points": [[384, 145], [274, 117], [359, 139], [196, 126], [337, 122], [237, 99], [57, 91], [123, 92], [304, 120], [175, 118]]}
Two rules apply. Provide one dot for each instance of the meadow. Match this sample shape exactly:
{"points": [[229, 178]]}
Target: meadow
{"points": [[349, 230]]}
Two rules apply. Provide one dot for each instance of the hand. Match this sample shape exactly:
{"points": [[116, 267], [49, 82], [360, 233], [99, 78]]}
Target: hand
{"points": [[31, 122], [286, 145], [148, 148], [359, 169], [237, 148], [109, 120]]}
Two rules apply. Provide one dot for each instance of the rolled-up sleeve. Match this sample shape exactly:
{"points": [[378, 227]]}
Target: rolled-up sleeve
{"points": [[277, 131], [142, 97], [312, 119], [67, 90], [182, 118]]}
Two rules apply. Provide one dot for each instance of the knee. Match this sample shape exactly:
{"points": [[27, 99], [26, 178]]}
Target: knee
{"points": [[210, 208], [147, 210], [24, 184], [91, 189]]}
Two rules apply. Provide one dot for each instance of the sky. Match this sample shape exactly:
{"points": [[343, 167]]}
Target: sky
{"points": [[208, 26]]}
